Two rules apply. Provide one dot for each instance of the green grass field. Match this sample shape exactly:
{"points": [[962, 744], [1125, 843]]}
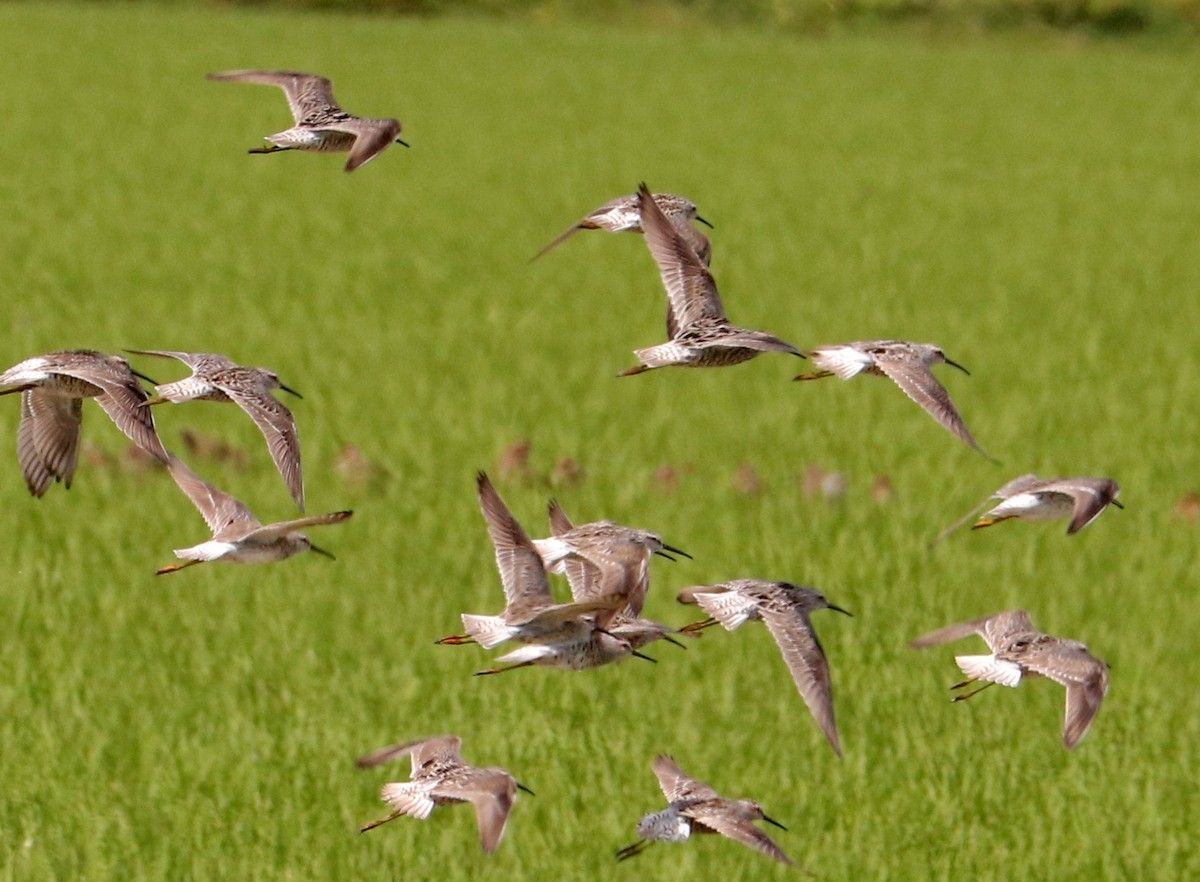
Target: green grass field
{"points": [[1031, 205]]}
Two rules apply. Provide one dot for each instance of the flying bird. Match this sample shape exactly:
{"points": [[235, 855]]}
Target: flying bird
{"points": [[530, 614], [238, 536], [52, 389], [441, 777], [906, 364], [700, 334], [697, 808], [217, 378], [624, 215], [1030, 498], [1020, 650], [321, 124], [785, 609]]}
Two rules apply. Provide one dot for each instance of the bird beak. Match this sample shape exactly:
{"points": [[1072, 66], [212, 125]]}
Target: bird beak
{"points": [[673, 550], [321, 551], [703, 221], [774, 823], [671, 639], [142, 376], [1117, 504], [959, 366], [521, 786], [399, 141], [637, 654], [291, 390], [842, 611]]}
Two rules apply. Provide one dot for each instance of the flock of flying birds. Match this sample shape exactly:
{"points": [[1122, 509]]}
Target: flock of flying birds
{"points": [[607, 565]]}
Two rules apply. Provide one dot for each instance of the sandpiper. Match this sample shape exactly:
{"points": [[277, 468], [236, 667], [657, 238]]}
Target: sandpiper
{"points": [[697, 808], [700, 334], [1021, 650], [602, 559], [784, 608], [624, 215], [530, 614], [906, 364], [1030, 498], [238, 536], [217, 378], [52, 389], [321, 124], [441, 777]]}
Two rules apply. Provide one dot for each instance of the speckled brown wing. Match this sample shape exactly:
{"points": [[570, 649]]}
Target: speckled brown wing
{"points": [[691, 289], [919, 384]]}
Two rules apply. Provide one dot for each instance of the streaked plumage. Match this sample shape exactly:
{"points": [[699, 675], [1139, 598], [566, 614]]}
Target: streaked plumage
{"points": [[1020, 650], [530, 613], [697, 808], [624, 215], [321, 124], [52, 389], [784, 608], [217, 378], [700, 334], [907, 364], [238, 536], [602, 559], [441, 777]]}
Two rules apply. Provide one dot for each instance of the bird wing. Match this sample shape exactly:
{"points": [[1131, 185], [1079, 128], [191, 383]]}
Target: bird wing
{"points": [[919, 384], [742, 831], [306, 93], [271, 532], [793, 631], [191, 359], [422, 750], [492, 792], [559, 521], [677, 784], [1090, 497], [691, 289], [526, 587], [371, 136], [1085, 677], [733, 336], [48, 438], [278, 426], [123, 399], [223, 513], [951, 632]]}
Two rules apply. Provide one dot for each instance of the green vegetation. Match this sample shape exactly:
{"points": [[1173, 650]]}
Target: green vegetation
{"points": [[1034, 208]]}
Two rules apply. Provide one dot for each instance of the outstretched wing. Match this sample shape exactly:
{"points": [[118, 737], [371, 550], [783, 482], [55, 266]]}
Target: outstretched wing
{"points": [[691, 289], [307, 94]]}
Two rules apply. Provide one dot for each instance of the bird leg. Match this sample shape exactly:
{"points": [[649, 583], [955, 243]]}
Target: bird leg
{"points": [[965, 695], [815, 375], [630, 850], [696, 627], [502, 670], [273, 148], [171, 568], [373, 824], [455, 640], [636, 369], [987, 522]]}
